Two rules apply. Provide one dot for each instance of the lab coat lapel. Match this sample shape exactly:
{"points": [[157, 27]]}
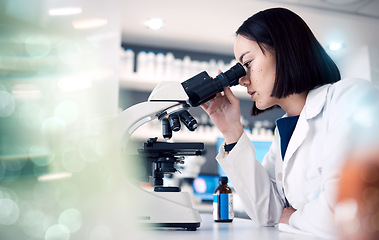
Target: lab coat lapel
{"points": [[314, 104], [298, 137]]}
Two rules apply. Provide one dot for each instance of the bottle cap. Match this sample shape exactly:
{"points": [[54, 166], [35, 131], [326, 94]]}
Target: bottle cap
{"points": [[223, 179]]}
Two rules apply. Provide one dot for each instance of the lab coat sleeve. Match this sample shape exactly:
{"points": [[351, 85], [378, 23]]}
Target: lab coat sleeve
{"points": [[252, 182]]}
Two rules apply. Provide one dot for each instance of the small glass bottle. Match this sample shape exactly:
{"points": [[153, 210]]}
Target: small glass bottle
{"points": [[223, 202]]}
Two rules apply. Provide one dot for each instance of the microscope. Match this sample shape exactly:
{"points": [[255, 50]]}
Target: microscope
{"points": [[169, 102]]}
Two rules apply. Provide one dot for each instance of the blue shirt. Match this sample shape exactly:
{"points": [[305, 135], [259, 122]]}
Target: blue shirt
{"points": [[286, 126]]}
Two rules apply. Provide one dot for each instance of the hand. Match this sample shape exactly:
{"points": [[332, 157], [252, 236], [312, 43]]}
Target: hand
{"points": [[287, 213], [225, 113]]}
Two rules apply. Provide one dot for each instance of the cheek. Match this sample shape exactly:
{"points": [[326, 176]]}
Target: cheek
{"points": [[257, 71], [255, 74], [263, 83]]}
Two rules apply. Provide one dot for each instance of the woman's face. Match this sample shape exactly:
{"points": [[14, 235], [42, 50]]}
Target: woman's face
{"points": [[260, 71]]}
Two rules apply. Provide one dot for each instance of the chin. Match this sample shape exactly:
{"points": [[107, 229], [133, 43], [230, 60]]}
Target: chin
{"points": [[262, 106]]}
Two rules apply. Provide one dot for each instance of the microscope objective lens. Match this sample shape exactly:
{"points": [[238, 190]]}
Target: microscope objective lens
{"points": [[174, 122]]}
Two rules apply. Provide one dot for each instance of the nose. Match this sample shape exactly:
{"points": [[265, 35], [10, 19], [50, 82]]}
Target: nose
{"points": [[244, 81]]}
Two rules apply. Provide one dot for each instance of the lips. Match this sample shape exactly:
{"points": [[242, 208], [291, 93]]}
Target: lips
{"points": [[251, 93]]}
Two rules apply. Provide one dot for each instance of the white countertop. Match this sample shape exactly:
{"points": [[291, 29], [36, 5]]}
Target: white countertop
{"points": [[240, 229]]}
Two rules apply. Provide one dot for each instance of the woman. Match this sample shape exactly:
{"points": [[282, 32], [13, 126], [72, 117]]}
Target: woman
{"points": [[287, 67]]}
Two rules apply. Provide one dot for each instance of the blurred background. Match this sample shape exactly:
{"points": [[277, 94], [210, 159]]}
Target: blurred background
{"points": [[67, 65]]}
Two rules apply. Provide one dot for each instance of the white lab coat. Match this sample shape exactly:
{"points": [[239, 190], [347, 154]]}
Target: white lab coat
{"points": [[309, 174]]}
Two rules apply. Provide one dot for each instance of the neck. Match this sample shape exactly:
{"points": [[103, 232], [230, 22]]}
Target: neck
{"points": [[293, 104]]}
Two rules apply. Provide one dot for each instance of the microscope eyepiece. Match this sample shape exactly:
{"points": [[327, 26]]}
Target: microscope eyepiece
{"points": [[234, 74], [202, 87]]}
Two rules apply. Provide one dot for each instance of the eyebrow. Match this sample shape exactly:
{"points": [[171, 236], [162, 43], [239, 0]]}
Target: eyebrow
{"points": [[242, 55]]}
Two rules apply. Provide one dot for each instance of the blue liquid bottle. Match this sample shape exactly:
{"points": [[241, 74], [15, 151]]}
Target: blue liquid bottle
{"points": [[223, 202]]}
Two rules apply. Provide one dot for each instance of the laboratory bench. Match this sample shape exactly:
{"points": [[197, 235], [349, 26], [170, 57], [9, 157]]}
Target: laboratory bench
{"points": [[240, 229]]}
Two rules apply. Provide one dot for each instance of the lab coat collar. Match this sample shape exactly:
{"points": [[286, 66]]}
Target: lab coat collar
{"points": [[314, 103]]}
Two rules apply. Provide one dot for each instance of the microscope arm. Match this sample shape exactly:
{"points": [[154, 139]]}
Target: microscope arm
{"points": [[135, 116], [166, 97]]}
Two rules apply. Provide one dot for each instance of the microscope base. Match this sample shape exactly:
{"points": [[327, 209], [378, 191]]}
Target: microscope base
{"points": [[188, 226], [167, 210]]}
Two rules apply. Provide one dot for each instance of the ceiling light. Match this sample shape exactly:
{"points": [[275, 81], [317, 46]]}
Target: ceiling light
{"points": [[335, 46], [89, 23], [64, 11], [155, 23]]}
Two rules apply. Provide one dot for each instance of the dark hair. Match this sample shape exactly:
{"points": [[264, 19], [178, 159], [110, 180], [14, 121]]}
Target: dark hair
{"points": [[301, 62]]}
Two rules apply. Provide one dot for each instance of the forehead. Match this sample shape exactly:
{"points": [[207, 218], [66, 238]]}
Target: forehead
{"points": [[242, 45]]}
